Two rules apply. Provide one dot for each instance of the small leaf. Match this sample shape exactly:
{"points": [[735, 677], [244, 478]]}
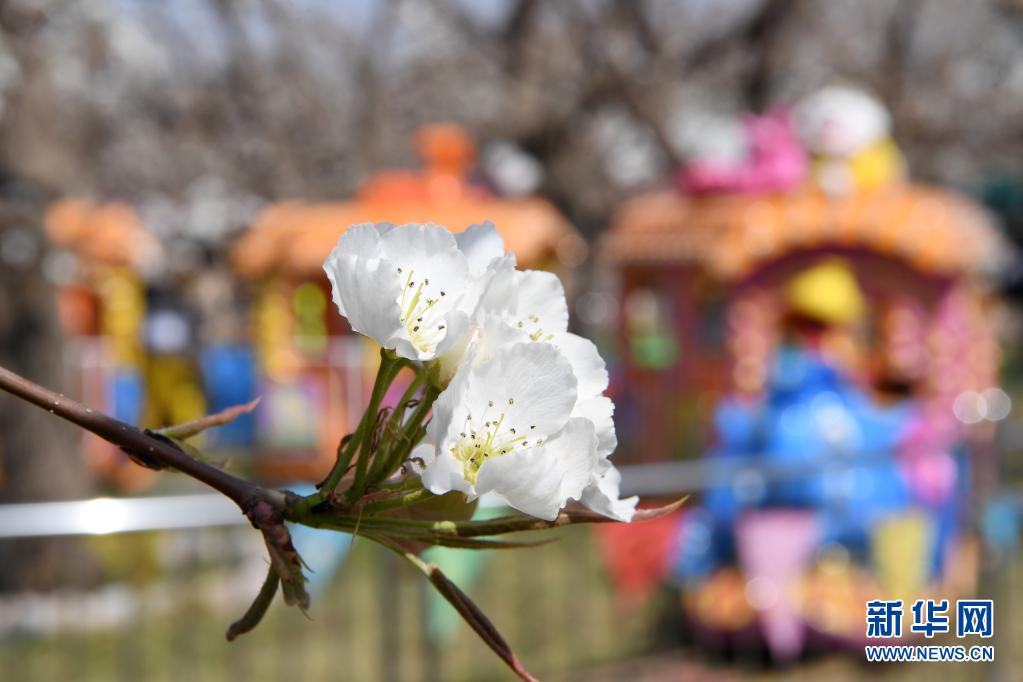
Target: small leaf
{"points": [[258, 608], [657, 512], [477, 620], [423, 529], [465, 607], [197, 426], [477, 543]]}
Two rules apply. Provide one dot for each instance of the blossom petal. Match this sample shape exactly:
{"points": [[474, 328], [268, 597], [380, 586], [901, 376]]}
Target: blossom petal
{"points": [[602, 495], [448, 406], [428, 253], [456, 326], [480, 281], [539, 481], [600, 411], [366, 292], [443, 472], [361, 240], [531, 384], [529, 299], [411, 242], [495, 333], [587, 364], [481, 245]]}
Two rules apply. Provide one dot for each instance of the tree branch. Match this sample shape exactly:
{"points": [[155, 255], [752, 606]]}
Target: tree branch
{"points": [[133, 440]]}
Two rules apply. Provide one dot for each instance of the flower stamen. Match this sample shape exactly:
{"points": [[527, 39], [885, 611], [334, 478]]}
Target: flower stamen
{"points": [[415, 310], [494, 439]]}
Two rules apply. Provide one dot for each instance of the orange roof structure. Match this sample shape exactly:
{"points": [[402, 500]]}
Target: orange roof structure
{"points": [[296, 236], [110, 233], [937, 231]]}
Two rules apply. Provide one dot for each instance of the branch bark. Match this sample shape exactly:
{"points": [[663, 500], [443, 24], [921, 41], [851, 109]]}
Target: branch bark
{"points": [[128, 437]]}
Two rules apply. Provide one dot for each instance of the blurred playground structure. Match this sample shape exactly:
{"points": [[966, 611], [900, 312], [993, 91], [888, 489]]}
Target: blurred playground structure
{"points": [[808, 308], [266, 327]]}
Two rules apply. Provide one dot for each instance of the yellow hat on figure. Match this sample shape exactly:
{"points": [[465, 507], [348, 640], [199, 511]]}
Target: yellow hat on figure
{"points": [[827, 292]]}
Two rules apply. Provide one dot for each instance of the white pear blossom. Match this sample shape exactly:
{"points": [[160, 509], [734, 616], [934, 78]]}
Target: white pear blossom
{"points": [[412, 288], [529, 306], [505, 426], [524, 415], [509, 425]]}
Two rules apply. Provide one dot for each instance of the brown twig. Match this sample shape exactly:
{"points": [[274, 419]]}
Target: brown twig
{"points": [[131, 439]]}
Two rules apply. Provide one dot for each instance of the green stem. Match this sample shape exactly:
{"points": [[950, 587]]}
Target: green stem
{"points": [[406, 500], [382, 464], [414, 429], [388, 370], [404, 485]]}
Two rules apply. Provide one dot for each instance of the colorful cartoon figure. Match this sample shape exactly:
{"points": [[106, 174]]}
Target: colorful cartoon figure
{"points": [[759, 155], [848, 135], [820, 463]]}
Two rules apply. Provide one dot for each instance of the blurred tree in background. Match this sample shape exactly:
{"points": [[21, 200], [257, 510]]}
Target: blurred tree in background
{"points": [[39, 458], [199, 111]]}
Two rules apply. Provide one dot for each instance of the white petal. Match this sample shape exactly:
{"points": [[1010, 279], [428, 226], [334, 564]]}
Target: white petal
{"points": [[411, 242], [361, 240], [448, 406], [428, 252], [494, 334], [403, 346], [530, 298], [590, 369], [483, 338], [539, 481], [366, 292], [599, 411], [481, 244], [602, 495], [443, 472], [456, 326], [575, 450], [480, 282], [531, 384], [454, 355]]}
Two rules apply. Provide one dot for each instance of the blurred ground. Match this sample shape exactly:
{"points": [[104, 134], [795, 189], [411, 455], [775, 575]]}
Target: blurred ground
{"points": [[554, 604]]}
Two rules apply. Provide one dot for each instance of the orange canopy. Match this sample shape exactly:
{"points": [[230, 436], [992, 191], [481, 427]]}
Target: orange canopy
{"points": [[109, 233], [730, 235], [296, 236]]}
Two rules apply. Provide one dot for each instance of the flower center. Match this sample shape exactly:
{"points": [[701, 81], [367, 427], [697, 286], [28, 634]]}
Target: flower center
{"points": [[480, 440], [419, 313], [537, 333]]}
